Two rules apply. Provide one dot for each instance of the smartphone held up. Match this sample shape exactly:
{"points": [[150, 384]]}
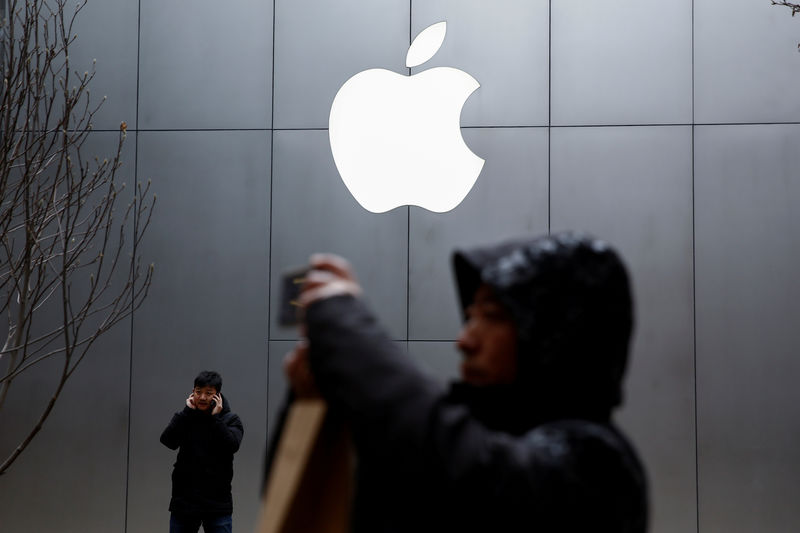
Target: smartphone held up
{"points": [[291, 283]]}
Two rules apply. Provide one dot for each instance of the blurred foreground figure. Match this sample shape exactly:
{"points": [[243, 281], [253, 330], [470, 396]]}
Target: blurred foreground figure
{"points": [[525, 441]]}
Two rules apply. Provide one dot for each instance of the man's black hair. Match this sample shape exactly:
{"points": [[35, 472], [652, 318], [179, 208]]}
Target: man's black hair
{"points": [[209, 378]]}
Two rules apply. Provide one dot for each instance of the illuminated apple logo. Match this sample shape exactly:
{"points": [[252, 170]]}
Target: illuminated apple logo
{"points": [[396, 139]]}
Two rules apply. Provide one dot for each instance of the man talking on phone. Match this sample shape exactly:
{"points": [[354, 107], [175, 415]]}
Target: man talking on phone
{"points": [[206, 434]]}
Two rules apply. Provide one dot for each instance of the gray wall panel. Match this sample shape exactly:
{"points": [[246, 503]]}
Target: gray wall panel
{"points": [[207, 308], [509, 199], [76, 466], [502, 44], [219, 251], [632, 186], [441, 360], [320, 45], [748, 251], [72, 476], [314, 212], [621, 62], [745, 61], [203, 65], [107, 31]]}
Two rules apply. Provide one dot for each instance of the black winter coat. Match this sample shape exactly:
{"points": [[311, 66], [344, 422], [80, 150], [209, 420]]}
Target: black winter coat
{"points": [[202, 474], [428, 462]]}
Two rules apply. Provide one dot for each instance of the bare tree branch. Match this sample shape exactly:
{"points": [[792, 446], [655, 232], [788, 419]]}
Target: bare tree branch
{"points": [[67, 274], [794, 7]]}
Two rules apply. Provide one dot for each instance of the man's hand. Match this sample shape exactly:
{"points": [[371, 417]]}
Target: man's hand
{"points": [[218, 407], [330, 275], [190, 401]]}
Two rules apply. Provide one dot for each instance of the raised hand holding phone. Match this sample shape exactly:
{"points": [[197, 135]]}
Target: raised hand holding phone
{"points": [[217, 402]]}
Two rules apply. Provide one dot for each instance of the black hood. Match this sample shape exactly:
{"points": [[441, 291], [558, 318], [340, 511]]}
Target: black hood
{"points": [[570, 299]]}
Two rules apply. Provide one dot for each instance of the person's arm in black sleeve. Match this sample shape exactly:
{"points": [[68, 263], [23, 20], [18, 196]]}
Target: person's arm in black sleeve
{"points": [[229, 428], [172, 436], [360, 371]]}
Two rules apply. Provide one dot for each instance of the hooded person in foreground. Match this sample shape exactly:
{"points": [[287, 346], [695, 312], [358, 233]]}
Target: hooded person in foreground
{"points": [[525, 442]]}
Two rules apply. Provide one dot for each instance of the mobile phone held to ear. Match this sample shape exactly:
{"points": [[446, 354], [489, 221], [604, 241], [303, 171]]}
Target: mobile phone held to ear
{"points": [[291, 283]]}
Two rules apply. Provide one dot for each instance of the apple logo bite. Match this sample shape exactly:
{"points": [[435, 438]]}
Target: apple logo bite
{"points": [[396, 139]]}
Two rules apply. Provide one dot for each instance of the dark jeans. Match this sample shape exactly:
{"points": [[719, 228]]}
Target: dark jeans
{"points": [[191, 523]]}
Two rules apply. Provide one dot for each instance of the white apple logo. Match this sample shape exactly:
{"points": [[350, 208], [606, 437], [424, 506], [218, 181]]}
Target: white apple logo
{"points": [[396, 139]]}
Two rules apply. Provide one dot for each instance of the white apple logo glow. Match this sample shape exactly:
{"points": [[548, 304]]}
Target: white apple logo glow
{"points": [[396, 139]]}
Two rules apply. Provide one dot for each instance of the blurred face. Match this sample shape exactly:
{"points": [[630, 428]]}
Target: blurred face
{"points": [[203, 397], [488, 342]]}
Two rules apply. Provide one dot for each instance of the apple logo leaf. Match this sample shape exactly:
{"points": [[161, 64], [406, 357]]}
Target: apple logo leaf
{"points": [[426, 44]]}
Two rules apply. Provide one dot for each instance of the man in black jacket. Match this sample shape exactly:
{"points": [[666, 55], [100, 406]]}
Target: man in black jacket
{"points": [[525, 442], [208, 433]]}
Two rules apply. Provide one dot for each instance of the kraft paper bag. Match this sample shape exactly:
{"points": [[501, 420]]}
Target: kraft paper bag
{"points": [[310, 484]]}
